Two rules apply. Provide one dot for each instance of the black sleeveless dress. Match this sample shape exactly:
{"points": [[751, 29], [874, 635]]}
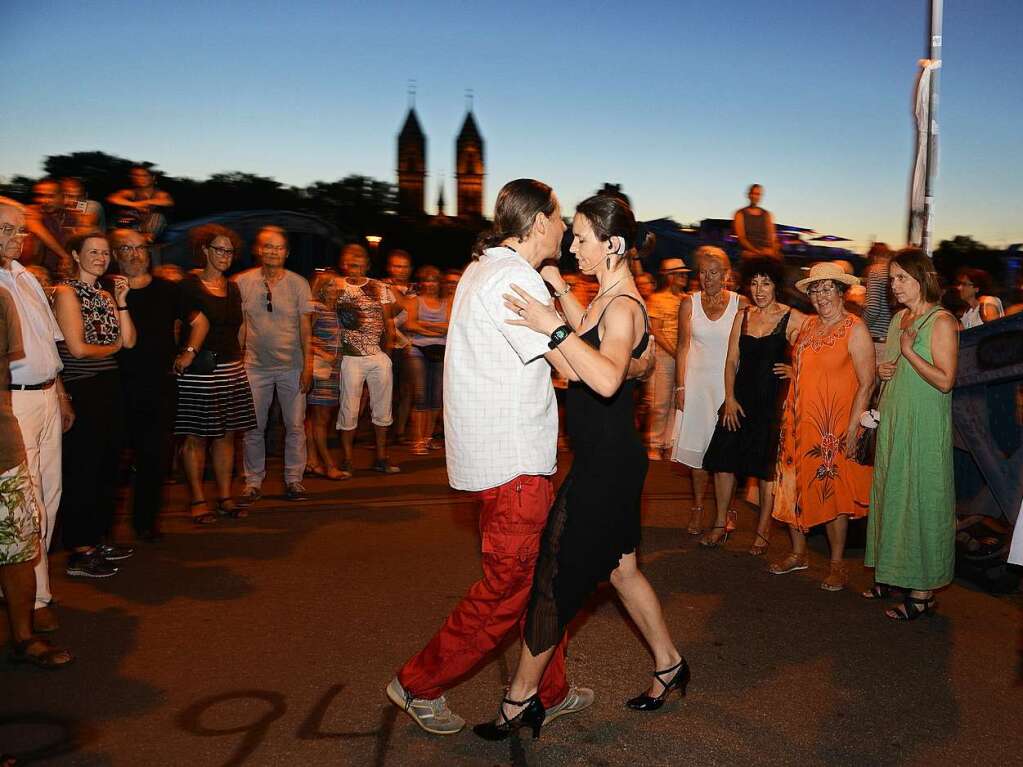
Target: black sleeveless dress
{"points": [[596, 515], [752, 450]]}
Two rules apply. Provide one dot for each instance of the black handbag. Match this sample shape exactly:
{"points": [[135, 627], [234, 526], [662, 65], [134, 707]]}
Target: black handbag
{"points": [[866, 436], [205, 362]]}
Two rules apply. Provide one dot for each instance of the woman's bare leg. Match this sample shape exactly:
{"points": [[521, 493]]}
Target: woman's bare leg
{"points": [[223, 464], [193, 456], [644, 608]]}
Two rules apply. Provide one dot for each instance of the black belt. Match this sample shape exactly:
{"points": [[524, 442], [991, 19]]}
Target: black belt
{"points": [[33, 387]]}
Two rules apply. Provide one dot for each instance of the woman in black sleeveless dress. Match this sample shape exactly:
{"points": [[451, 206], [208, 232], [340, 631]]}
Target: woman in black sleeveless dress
{"points": [[594, 526], [745, 441]]}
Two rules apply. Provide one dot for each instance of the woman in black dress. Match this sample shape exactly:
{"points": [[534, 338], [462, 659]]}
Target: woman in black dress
{"points": [[594, 527], [745, 441], [214, 398]]}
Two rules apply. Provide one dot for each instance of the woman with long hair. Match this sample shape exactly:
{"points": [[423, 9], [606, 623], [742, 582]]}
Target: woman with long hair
{"points": [[427, 323], [912, 525], [214, 398], [593, 528]]}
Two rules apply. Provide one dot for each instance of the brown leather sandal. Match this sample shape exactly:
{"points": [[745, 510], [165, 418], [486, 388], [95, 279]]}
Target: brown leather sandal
{"points": [[50, 658]]}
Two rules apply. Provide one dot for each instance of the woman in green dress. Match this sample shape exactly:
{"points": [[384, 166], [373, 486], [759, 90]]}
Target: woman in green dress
{"points": [[911, 527]]}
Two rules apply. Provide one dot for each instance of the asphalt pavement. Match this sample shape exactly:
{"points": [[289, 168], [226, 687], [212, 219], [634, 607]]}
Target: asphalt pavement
{"points": [[269, 641]]}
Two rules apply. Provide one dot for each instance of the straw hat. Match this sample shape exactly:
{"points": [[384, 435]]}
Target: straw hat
{"points": [[826, 271], [672, 265]]}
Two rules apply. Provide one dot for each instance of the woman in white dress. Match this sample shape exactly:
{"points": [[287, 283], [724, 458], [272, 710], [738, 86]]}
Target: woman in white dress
{"points": [[704, 323]]}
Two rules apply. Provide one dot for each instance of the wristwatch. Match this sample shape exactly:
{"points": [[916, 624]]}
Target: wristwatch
{"points": [[559, 335]]}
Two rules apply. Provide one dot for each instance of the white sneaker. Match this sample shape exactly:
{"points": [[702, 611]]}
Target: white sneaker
{"points": [[434, 716], [577, 699]]}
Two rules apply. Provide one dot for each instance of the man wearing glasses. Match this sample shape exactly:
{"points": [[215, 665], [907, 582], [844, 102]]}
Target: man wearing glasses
{"points": [[41, 406], [277, 305], [146, 376]]}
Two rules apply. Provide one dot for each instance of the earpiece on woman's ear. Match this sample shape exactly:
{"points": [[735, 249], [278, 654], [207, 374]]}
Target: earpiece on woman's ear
{"points": [[617, 245]]}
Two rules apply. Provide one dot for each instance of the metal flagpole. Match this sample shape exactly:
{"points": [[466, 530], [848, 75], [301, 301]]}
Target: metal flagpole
{"points": [[934, 54]]}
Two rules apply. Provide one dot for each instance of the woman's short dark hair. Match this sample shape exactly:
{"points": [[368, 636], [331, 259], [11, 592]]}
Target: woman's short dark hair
{"points": [[771, 268], [980, 278], [76, 242], [917, 265], [610, 217], [517, 204], [201, 236]]}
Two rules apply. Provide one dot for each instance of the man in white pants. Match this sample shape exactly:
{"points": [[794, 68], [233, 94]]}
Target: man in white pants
{"points": [[42, 407], [366, 314], [277, 305]]}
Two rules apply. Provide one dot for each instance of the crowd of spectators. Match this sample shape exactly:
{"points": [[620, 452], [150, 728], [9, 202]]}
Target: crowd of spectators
{"points": [[106, 351]]}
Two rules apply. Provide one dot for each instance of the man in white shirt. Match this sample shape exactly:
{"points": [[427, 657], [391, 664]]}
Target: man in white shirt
{"points": [[501, 431], [40, 404]]}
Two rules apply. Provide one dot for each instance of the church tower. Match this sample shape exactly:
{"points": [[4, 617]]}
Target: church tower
{"points": [[470, 169], [411, 167]]}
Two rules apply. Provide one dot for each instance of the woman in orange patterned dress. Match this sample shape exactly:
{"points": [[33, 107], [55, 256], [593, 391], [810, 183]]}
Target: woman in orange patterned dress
{"points": [[832, 380]]}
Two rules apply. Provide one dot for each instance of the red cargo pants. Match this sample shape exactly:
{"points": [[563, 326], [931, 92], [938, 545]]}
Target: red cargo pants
{"points": [[512, 519]]}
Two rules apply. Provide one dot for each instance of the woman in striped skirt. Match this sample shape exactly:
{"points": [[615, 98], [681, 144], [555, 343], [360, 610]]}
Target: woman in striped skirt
{"points": [[214, 398]]}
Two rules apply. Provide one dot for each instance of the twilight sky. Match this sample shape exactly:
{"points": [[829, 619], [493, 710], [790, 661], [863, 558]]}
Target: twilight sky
{"points": [[682, 102]]}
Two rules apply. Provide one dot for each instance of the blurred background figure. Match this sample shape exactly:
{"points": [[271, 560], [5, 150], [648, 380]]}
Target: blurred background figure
{"points": [[451, 278], [399, 272], [662, 307], [428, 315], [325, 394], [754, 227], [645, 284], [877, 312], [142, 206], [49, 225], [974, 286], [87, 214]]}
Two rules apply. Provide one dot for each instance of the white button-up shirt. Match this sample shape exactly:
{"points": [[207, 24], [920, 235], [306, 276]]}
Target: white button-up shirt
{"points": [[500, 416], [39, 329]]}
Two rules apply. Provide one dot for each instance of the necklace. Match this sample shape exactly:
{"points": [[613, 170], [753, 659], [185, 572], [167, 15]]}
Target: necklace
{"points": [[597, 297], [713, 302]]}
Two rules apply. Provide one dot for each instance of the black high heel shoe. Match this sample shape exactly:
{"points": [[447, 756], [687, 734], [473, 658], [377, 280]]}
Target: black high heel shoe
{"points": [[531, 716], [679, 681]]}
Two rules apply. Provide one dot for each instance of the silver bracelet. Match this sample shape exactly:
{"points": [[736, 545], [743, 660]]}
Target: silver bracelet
{"points": [[565, 292]]}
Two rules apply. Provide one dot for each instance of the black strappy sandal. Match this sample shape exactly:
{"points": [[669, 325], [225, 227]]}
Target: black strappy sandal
{"points": [[911, 608], [878, 591], [679, 681], [234, 511], [710, 542], [202, 519], [532, 716]]}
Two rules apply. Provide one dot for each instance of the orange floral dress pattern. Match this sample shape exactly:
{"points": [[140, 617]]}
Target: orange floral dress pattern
{"points": [[816, 482]]}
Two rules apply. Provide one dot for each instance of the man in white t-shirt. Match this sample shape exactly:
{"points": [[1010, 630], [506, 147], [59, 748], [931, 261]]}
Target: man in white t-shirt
{"points": [[501, 431]]}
